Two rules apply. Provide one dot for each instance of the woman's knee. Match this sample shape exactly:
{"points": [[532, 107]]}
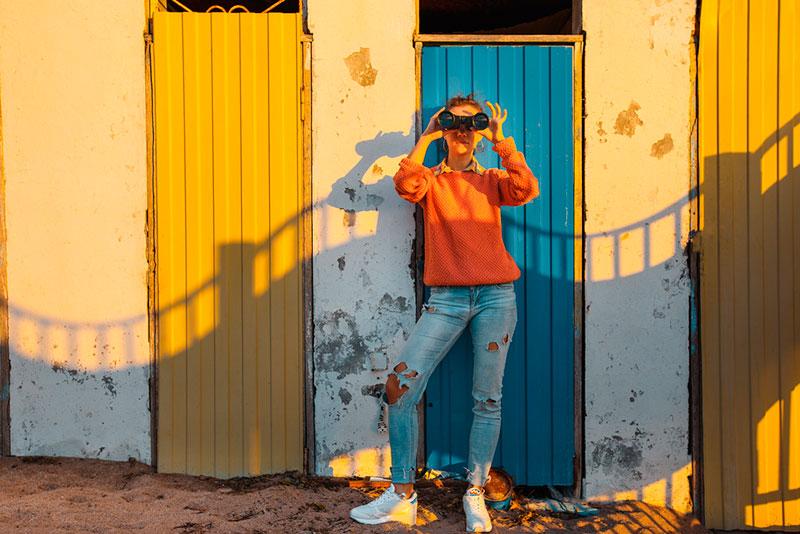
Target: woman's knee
{"points": [[486, 406], [399, 382]]}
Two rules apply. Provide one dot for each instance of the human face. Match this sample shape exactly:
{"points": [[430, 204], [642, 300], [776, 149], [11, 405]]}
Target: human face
{"points": [[462, 141]]}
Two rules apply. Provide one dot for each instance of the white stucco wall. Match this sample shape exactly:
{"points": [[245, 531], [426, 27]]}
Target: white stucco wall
{"points": [[73, 116], [637, 88], [363, 111]]}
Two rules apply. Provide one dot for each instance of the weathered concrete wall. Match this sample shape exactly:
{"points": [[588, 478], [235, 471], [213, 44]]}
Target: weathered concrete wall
{"points": [[363, 108], [637, 182], [73, 104]]}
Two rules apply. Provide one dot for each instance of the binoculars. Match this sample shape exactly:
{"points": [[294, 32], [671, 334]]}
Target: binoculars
{"points": [[448, 121]]}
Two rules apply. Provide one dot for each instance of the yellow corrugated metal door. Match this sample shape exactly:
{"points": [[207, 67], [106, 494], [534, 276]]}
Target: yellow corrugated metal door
{"points": [[749, 98], [228, 201]]}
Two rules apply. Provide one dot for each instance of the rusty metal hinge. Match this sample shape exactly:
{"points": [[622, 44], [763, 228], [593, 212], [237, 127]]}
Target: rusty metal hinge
{"points": [[696, 239], [302, 103]]}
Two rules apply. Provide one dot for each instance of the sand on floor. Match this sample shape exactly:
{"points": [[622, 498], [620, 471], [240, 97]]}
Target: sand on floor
{"points": [[52, 494]]}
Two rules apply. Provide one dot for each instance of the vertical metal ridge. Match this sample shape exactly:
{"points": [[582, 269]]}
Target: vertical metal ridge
{"points": [[185, 252], [244, 468], [215, 464]]}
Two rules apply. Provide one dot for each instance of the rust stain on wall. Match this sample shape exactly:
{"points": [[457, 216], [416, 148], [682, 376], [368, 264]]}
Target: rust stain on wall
{"points": [[628, 120], [361, 69], [601, 132], [662, 146]]}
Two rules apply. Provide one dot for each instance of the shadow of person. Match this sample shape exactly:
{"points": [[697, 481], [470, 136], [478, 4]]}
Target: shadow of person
{"points": [[366, 185]]}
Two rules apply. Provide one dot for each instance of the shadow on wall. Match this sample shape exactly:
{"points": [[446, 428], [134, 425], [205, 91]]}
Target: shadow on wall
{"points": [[249, 278], [752, 430], [80, 388], [627, 257], [93, 369], [252, 281], [619, 258]]}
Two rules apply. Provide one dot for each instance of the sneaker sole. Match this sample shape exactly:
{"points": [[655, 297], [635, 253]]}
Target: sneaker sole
{"points": [[381, 520]]}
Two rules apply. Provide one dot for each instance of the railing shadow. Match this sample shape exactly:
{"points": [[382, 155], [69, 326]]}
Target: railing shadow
{"points": [[611, 259]]}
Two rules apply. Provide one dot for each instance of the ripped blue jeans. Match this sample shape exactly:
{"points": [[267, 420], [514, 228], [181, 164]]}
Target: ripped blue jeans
{"points": [[490, 312]]}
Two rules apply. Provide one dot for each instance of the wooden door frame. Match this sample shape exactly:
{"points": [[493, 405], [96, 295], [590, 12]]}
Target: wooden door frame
{"points": [[5, 362], [577, 42]]}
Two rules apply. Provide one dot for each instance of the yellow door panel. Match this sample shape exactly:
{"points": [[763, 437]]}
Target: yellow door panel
{"points": [[749, 81], [229, 189]]}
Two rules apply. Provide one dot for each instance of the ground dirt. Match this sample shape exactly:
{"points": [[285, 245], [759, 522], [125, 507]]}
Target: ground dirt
{"points": [[44, 494]]}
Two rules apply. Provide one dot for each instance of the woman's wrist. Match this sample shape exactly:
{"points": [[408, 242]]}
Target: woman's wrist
{"points": [[417, 153], [428, 138]]}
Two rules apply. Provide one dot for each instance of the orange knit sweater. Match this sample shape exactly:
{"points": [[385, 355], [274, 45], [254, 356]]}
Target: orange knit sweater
{"points": [[463, 236]]}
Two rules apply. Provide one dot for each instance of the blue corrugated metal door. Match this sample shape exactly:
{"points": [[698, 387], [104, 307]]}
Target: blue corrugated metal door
{"points": [[535, 83]]}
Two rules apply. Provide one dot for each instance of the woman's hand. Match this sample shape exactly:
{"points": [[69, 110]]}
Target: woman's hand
{"points": [[494, 132], [433, 130]]}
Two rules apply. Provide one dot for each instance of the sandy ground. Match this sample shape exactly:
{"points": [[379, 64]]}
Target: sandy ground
{"points": [[39, 494]]}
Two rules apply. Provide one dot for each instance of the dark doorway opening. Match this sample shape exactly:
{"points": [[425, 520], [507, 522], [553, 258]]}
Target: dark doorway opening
{"points": [[507, 17]]}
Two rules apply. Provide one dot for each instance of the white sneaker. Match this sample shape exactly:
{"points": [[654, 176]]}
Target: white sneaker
{"points": [[478, 519], [390, 506]]}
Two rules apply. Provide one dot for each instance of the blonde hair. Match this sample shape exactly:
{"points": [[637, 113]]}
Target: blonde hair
{"points": [[459, 100]]}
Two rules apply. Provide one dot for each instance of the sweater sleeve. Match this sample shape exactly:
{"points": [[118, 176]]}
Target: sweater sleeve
{"points": [[412, 180], [516, 183]]}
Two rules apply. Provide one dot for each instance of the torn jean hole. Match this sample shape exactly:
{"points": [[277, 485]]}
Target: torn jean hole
{"points": [[428, 308], [488, 405], [398, 381], [492, 346]]}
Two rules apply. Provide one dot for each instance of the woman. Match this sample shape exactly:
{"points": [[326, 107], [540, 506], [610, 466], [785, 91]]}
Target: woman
{"points": [[470, 274]]}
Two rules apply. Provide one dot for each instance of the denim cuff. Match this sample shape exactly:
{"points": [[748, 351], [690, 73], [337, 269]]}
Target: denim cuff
{"points": [[403, 475], [478, 477]]}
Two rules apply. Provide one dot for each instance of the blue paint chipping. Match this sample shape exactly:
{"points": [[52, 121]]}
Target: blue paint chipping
{"points": [[537, 441]]}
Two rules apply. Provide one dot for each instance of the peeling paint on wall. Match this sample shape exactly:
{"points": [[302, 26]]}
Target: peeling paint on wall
{"points": [[364, 300], [361, 70], [618, 456], [637, 223], [628, 120], [662, 146]]}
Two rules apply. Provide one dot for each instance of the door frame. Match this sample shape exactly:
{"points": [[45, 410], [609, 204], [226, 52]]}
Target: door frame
{"points": [[577, 42], [5, 358]]}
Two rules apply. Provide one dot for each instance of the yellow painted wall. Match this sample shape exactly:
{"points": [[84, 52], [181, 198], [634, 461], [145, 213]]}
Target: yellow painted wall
{"points": [[73, 104]]}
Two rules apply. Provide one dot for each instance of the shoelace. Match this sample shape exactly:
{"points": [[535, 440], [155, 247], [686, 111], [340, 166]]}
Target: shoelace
{"points": [[474, 502], [386, 496]]}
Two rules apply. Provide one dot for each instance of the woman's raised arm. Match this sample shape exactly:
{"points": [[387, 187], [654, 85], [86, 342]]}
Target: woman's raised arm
{"points": [[413, 179], [516, 183]]}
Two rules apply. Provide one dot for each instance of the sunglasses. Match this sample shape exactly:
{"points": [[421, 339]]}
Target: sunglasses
{"points": [[449, 121]]}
